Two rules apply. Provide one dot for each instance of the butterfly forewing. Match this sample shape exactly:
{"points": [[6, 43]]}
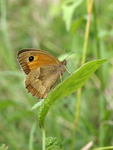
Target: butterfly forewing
{"points": [[40, 58]]}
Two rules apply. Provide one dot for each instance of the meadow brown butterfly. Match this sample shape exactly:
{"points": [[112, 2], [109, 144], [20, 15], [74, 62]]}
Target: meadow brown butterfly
{"points": [[42, 70]]}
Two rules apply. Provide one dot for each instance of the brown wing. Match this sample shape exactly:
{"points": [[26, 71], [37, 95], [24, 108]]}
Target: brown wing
{"points": [[32, 58], [40, 80]]}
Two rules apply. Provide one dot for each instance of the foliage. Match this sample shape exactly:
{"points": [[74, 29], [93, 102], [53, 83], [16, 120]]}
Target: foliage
{"points": [[43, 25], [70, 85], [50, 141], [3, 147]]}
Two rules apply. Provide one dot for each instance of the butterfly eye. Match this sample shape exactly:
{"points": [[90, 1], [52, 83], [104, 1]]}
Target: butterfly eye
{"points": [[31, 58]]}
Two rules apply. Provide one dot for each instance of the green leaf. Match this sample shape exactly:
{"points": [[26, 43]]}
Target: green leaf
{"points": [[3, 147], [68, 8], [53, 147], [53, 141], [38, 104], [70, 85], [76, 24]]}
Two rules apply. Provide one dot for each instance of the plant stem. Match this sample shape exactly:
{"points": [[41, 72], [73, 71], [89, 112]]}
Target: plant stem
{"points": [[97, 45], [43, 134], [77, 110], [102, 104], [31, 136]]}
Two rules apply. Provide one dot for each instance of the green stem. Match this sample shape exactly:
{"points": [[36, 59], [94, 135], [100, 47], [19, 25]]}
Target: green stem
{"points": [[43, 134], [102, 148], [97, 45], [102, 131], [76, 118], [31, 136], [96, 33], [77, 110], [89, 10]]}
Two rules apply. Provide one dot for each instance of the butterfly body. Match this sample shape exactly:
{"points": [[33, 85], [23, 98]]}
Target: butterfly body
{"points": [[42, 70]]}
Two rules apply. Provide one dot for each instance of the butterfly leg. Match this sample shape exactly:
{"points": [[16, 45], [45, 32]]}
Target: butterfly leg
{"points": [[60, 77], [68, 71]]}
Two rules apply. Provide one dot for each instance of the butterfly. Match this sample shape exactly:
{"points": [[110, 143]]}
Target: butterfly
{"points": [[42, 71]]}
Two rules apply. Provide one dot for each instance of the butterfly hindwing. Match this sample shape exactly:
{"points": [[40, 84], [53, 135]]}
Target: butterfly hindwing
{"points": [[40, 80]]}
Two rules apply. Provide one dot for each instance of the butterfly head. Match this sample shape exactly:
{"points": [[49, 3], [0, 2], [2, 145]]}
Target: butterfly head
{"points": [[64, 62]]}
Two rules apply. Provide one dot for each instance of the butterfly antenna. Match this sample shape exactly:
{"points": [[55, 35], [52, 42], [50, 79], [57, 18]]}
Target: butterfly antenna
{"points": [[69, 55]]}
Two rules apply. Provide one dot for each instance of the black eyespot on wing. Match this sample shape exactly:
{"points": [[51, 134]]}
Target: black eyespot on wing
{"points": [[31, 58]]}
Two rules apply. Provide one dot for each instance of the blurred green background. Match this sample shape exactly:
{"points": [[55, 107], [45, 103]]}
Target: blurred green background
{"points": [[53, 26]]}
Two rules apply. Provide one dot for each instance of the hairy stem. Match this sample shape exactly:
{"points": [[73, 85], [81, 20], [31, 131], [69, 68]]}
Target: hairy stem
{"points": [[43, 134]]}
